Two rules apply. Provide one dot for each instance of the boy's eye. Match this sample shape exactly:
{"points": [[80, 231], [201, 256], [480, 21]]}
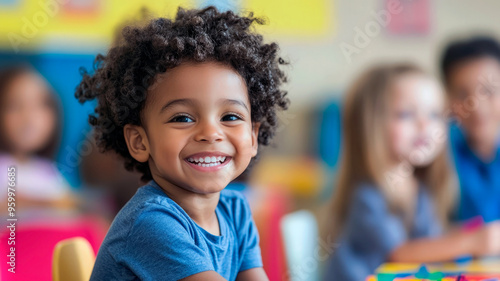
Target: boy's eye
{"points": [[231, 117], [182, 119]]}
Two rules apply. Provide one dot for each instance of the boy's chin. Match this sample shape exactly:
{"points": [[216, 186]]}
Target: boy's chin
{"points": [[208, 188]]}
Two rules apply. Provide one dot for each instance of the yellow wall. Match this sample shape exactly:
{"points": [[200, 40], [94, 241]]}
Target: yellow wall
{"points": [[33, 24]]}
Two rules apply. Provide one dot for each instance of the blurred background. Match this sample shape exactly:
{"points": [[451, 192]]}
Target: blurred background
{"points": [[328, 43]]}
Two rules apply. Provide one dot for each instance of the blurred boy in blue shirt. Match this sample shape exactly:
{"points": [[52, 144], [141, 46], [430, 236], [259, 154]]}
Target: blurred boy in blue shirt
{"points": [[471, 72]]}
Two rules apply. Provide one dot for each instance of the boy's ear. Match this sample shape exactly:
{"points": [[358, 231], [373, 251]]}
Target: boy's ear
{"points": [[255, 138], [137, 142]]}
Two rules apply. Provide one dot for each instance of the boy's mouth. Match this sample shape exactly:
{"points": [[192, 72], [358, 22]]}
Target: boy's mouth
{"points": [[208, 161]]}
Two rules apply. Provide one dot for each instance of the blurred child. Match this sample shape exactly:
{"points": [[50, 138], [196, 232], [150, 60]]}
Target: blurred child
{"points": [[471, 71], [29, 137], [186, 102], [394, 190]]}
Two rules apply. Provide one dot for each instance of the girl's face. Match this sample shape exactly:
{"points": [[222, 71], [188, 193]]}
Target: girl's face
{"points": [[198, 125], [416, 122], [28, 119]]}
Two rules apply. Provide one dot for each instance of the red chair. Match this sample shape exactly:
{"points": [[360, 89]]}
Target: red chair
{"points": [[35, 242], [268, 208]]}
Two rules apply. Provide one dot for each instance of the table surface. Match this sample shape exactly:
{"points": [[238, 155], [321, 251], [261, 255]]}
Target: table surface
{"points": [[486, 269]]}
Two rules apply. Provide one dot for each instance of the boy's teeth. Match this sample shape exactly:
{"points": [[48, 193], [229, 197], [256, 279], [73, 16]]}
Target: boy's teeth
{"points": [[208, 164], [208, 161]]}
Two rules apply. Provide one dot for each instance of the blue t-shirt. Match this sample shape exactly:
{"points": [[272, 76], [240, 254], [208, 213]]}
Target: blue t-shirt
{"points": [[371, 232], [479, 181], [153, 238]]}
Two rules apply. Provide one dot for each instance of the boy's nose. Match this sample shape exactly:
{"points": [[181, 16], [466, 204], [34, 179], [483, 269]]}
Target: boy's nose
{"points": [[209, 132]]}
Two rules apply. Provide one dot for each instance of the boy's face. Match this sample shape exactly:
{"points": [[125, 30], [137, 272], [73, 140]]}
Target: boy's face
{"points": [[197, 133], [475, 97]]}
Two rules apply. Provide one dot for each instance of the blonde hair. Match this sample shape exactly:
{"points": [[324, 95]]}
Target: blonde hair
{"points": [[365, 152]]}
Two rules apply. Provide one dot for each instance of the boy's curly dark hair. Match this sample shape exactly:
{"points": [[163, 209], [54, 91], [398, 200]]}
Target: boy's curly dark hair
{"points": [[121, 78]]}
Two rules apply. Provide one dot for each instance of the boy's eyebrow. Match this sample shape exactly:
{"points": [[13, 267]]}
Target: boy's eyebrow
{"points": [[191, 102], [236, 102], [177, 101]]}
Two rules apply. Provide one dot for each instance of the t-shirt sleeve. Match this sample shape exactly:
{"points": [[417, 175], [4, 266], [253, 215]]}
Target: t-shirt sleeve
{"points": [[374, 229], [160, 247], [248, 237]]}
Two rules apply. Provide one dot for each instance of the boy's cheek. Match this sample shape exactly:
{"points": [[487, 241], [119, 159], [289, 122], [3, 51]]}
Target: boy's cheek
{"points": [[240, 134], [244, 147], [173, 140]]}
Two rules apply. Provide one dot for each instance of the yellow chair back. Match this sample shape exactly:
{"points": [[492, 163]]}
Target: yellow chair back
{"points": [[73, 260]]}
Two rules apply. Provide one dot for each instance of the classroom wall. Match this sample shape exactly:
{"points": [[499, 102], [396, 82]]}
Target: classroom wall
{"points": [[320, 72], [319, 66]]}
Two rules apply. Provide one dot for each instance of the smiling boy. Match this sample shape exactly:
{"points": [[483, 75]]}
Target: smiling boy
{"points": [[211, 94]]}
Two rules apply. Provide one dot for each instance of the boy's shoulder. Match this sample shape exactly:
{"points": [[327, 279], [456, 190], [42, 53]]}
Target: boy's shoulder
{"points": [[230, 195], [233, 199], [149, 194], [149, 209], [234, 205], [148, 201]]}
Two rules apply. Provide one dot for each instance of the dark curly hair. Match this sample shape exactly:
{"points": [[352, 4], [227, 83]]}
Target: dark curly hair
{"points": [[121, 78]]}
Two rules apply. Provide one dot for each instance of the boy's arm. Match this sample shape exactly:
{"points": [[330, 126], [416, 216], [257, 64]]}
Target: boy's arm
{"points": [[205, 276], [253, 274]]}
